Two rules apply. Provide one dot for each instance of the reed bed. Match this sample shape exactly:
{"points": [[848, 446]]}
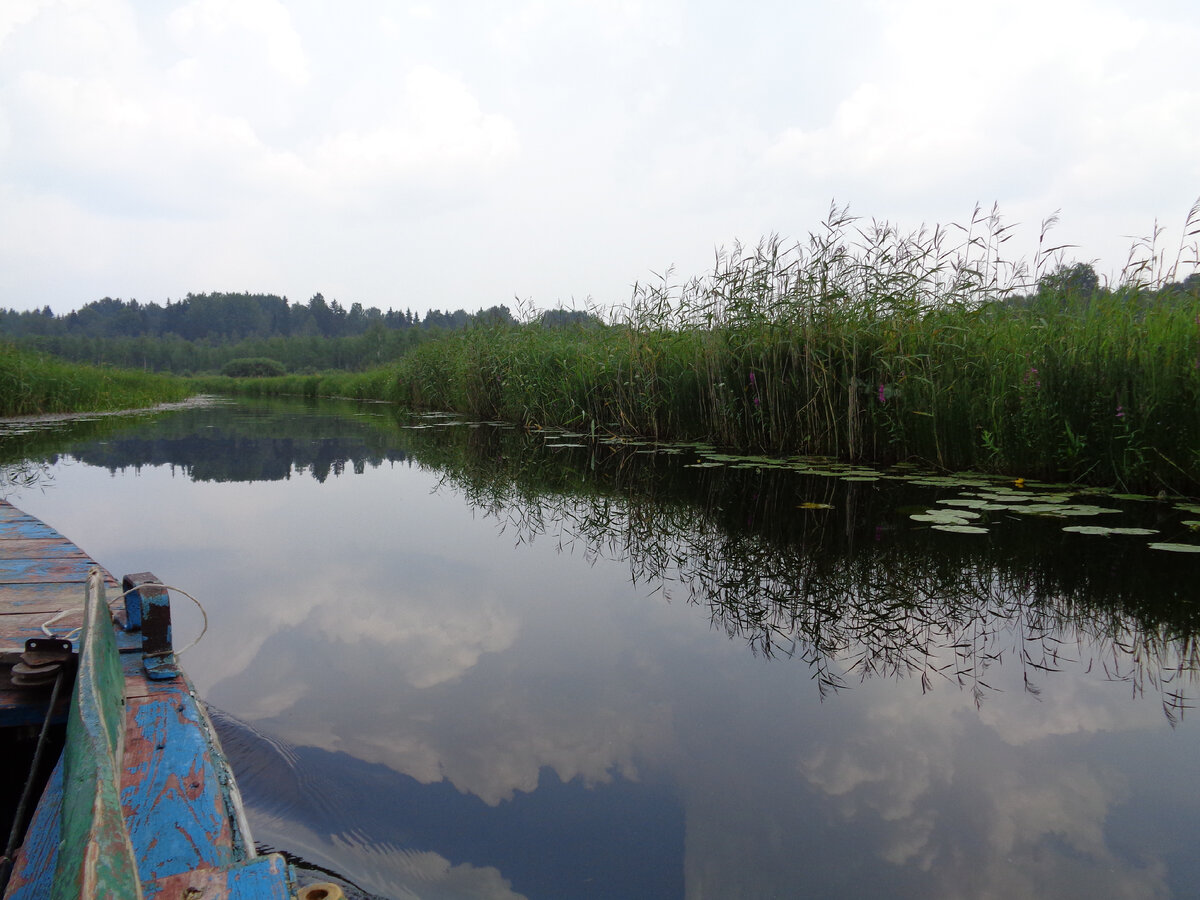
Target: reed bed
{"points": [[33, 384], [868, 344]]}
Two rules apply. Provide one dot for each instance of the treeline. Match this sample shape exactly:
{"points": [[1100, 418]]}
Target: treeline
{"points": [[1079, 283], [204, 332], [222, 318]]}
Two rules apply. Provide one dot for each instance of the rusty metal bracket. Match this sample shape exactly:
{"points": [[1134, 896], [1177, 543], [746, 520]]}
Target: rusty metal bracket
{"points": [[148, 607], [41, 662]]}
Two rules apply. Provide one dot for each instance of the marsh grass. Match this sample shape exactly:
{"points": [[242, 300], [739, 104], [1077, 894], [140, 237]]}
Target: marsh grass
{"points": [[32, 384], [866, 343]]}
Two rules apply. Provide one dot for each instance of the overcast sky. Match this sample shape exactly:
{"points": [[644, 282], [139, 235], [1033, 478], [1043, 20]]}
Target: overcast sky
{"points": [[463, 154]]}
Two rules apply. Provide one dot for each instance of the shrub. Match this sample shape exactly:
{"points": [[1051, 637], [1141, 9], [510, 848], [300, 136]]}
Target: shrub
{"points": [[253, 367]]}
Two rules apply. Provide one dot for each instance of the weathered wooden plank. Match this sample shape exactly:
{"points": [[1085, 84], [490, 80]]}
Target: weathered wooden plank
{"points": [[16, 628], [136, 682], [25, 527], [39, 548], [8, 511], [45, 597], [33, 866], [21, 571], [169, 776], [95, 858], [262, 878]]}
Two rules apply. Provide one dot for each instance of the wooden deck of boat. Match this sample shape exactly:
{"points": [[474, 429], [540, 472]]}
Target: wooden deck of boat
{"points": [[186, 831], [42, 576]]}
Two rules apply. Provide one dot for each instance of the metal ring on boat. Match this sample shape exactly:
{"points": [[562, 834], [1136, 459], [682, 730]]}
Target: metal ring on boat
{"points": [[322, 890]]}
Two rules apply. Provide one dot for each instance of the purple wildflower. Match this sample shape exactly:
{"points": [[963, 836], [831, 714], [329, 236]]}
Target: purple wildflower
{"points": [[882, 396]]}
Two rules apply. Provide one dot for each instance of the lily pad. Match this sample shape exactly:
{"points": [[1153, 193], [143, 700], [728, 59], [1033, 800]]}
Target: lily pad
{"points": [[945, 516], [961, 529], [1176, 548], [1063, 509], [1102, 530]]}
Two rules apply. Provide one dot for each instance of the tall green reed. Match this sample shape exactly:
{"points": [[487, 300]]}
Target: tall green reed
{"points": [[32, 384], [869, 343]]}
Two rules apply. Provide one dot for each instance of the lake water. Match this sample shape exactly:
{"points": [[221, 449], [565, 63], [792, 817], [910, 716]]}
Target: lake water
{"points": [[459, 660]]}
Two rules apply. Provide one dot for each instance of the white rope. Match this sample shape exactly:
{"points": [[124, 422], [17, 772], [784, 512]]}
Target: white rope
{"points": [[69, 636], [155, 584], [74, 632]]}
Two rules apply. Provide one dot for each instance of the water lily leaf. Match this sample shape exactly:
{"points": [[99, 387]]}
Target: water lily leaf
{"points": [[961, 529], [1063, 509], [945, 516], [1191, 523], [1176, 548], [966, 504], [860, 478], [1187, 508], [1103, 530]]}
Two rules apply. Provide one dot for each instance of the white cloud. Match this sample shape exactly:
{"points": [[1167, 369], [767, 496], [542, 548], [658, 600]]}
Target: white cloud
{"points": [[17, 12], [267, 20], [936, 781], [433, 132], [565, 148]]}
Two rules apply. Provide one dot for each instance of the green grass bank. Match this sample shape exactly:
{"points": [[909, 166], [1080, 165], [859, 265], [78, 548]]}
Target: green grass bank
{"points": [[34, 384]]}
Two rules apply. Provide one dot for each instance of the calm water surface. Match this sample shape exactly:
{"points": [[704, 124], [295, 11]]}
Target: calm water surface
{"points": [[460, 661]]}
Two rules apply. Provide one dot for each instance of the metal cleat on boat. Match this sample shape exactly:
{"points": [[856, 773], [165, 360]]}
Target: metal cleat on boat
{"points": [[41, 662]]}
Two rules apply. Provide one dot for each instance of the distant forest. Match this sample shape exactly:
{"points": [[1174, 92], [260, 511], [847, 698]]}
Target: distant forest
{"points": [[204, 332]]}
